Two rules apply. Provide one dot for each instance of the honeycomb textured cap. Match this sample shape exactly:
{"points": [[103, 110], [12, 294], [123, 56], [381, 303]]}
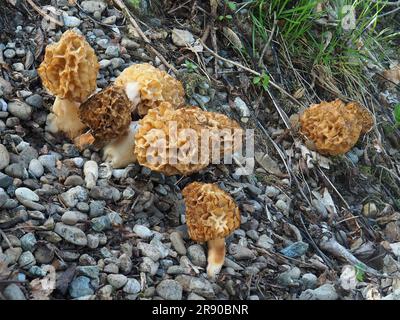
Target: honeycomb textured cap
{"points": [[107, 113], [182, 152], [70, 67], [335, 127], [156, 86], [211, 213], [364, 117]]}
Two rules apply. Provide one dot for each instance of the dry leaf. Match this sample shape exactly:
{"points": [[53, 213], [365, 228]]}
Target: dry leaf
{"points": [[39, 41], [214, 5], [267, 163], [232, 37], [42, 288], [326, 200], [393, 74], [348, 278]]}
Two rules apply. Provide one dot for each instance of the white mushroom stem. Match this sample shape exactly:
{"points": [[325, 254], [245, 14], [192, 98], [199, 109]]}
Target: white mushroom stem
{"points": [[216, 256], [120, 152], [65, 118]]}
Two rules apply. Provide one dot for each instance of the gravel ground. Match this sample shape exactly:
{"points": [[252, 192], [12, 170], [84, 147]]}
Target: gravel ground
{"points": [[125, 238]]}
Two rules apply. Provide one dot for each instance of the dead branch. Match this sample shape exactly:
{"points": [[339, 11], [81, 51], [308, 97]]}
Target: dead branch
{"points": [[134, 23], [44, 14], [330, 245]]}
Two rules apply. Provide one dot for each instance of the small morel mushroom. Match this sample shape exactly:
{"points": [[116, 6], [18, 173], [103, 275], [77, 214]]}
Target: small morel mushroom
{"points": [[185, 140], [107, 114], [335, 127], [155, 86], [211, 216], [69, 71]]}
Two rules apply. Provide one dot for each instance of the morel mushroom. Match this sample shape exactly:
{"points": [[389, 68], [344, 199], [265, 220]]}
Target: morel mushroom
{"points": [[107, 114], [183, 141], [335, 127], [69, 71], [211, 216], [155, 86]]}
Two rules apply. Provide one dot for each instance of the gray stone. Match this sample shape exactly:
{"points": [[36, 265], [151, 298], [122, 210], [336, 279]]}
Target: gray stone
{"points": [[175, 270], [80, 287], [326, 292], [20, 109], [393, 296], [104, 63], [112, 52], [93, 6], [101, 223], [111, 268], [25, 194], [9, 53], [283, 206], [17, 170], [13, 292], [27, 154], [18, 66], [88, 271], [265, 242], [149, 250], [117, 280], [4, 157], [142, 231], [202, 287], [103, 43], [71, 234], [129, 44], [241, 253], [48, 161], [37, 271], [271, 191], [71, 22], [32, 205], [148, 265], [194, 296], [125, 263], [132, 286], [289, 277], [242, 108], [96, 208], [71, 217], [296, 249], [28, 242], [36, 168], [169, 290], [197, 255], [73, 181], [309, 280], [12, 255], [92, 241], [26, 260], [74, 195], [5, 181], [117, 63], [3, 197], [178, 243], [35, 101]]}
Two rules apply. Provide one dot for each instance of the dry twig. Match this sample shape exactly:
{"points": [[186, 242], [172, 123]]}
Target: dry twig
{"points": [[44, 14]]}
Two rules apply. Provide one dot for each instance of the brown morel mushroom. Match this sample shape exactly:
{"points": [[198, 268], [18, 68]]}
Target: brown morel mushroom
{"points": [[107, 114], [211, 216], [184, 150], [68, 71], [335, 127], [154, 86]]}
